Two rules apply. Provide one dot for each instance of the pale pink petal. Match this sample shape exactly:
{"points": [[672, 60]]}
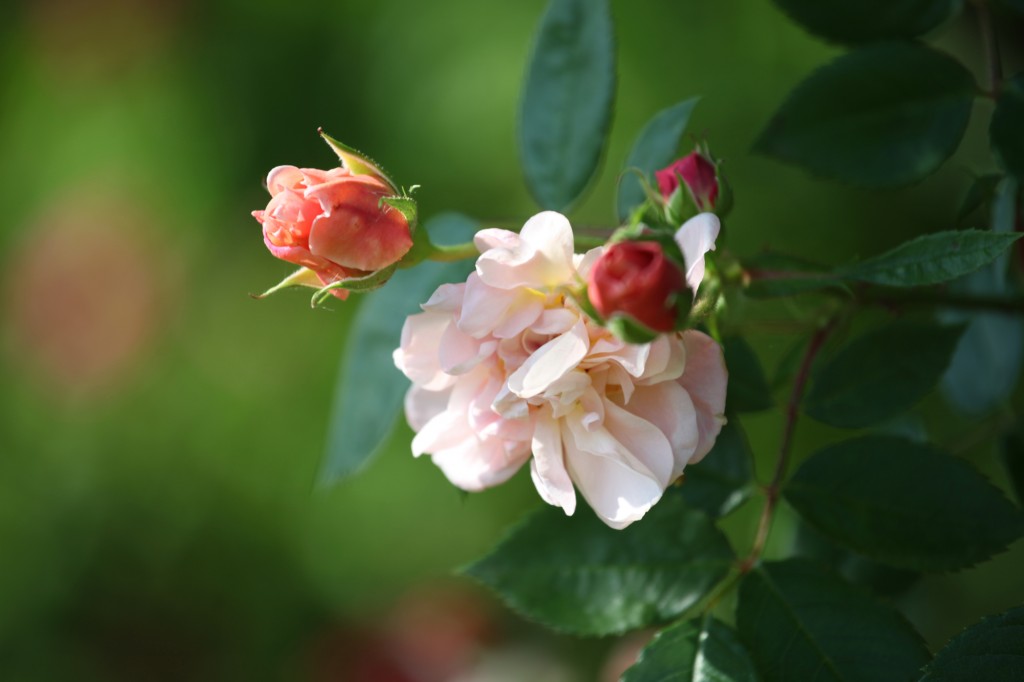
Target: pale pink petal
{"points": [[667, 360], [446, 430], [460, 352], [422, 405], [641, 438], [495, 238], [541, 258], [550, 362], [555, 321], [447, 298], [478, 464], [619, 492], [283, 177], [584, 262], [705, 379], [418, 355], [695, 238], [668, 406], [547, 469], [500, 312]]}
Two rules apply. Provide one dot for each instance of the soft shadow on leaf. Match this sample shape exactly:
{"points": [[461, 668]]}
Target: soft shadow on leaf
{"points": [[748, 389], [699, 650], [724, 479], [869, 20], [992, 649]]}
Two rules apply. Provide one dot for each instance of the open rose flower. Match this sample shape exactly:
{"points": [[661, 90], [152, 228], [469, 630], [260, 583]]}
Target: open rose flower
{"points": [[332, 223], [507, 369]]}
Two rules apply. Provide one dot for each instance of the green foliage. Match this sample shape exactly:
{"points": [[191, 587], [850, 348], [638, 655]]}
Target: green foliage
{"points": [[869, 20], [722, 480], [801, 622], [1012, 454], [933, 258], [992, 649], [653, 149], [748, 389], [775, 275], [699, 650], [358, 426], [1005, 131], [884, 115], [979, 194], [881, 374], [903, 503], [575, 574], [567, 100], [882, 580]]}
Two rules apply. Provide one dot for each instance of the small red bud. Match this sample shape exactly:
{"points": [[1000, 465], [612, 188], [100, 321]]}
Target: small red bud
{"points": [[637, 279], [700, 177]]}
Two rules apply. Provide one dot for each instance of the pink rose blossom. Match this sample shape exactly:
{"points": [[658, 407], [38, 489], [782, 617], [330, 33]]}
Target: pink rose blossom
{"points": [[507, 369], [331, 222]]}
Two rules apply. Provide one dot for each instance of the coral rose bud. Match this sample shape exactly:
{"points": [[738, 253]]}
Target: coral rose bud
{"points": [[698, 173], [637, 279], [332, 222]]}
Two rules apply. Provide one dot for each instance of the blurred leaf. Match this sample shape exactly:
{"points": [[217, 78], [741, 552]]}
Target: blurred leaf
{"points": [[933, 258], [358, 424], [869, 20], [981, 191], [1012, 454], [567, 100], [699, 650], [575, 574], [881, 374], [654, 148], [802, 623], [883, 115], [904, 504], [882, 580], [748, 389], [775, 274], [991, 649], [1005, 129], [721, 481]]}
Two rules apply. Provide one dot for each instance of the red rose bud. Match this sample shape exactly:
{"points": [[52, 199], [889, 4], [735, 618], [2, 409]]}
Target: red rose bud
{"points": [[700, 176], [637, 279]]}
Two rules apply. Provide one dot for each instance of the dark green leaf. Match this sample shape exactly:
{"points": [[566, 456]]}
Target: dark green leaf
{"points": [[981, 191], [904, 504], [883, 115], [577, 575], [880, 579], [1012, 453], [881, 374], [933, 258], [567, 100], [721, 481], [698, 650], [1007, 123], [748, 388], [358, 425], [990, 650], [654, 149], [869, 20], [801, 622]]}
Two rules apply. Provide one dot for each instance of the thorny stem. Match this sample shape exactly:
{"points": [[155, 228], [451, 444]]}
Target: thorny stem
{"points": [[774, 489], [991, 43]]}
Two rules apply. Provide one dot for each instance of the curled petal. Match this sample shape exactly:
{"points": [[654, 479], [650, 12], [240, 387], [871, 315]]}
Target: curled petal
{"points": [[705, 379], [550, 362], [547, 469], [422, 405], [695, 238], [542, 257], [668, 406], [476, 464], [418, 356]]}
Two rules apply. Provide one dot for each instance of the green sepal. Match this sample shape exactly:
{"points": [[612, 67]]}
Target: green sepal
{"points": [[303, 277], [629, 330], [405, 205], [374, 280], [581, 297], [357, 162]]}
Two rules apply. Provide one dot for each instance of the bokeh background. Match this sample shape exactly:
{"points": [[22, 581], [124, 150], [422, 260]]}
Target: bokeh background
{"points": [[160, 431]]}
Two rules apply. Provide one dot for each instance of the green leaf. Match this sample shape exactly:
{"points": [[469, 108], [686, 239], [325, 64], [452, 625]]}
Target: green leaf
{"points": [[881, 374], [567, 100], [933, 258], [905, 504], [699, 650], [1012, 454], [357, 425], [721, 481], [801, 622], [981, 191], [991, 649], [880, 116], [748, 389], [869, 20], [577, 575], [654, 148], [880, 579], [1005, 129]]}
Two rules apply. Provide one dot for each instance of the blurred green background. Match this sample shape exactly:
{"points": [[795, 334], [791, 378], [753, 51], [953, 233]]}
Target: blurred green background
{"points": [[160, 431]]}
